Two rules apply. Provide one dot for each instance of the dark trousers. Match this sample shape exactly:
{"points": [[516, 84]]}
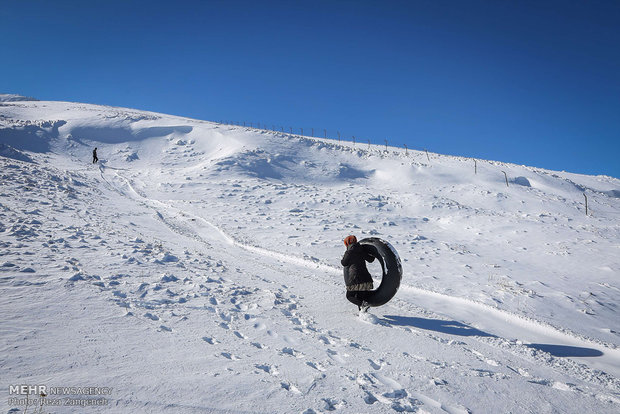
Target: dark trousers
{"points": [[357, 297]]}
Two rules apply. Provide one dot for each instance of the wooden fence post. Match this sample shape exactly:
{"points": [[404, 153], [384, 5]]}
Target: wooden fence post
{"points": [[385, 145], [427, 157], [406, 151], [475, 167], [506, 175], [586, 197]]}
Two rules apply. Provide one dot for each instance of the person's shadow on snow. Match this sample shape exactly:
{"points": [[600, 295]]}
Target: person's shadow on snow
{"points": [[437, 325], [460, 329]]}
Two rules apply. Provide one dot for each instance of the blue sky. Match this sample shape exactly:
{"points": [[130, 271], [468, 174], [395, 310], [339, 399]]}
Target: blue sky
{"points": [[529, 82]]}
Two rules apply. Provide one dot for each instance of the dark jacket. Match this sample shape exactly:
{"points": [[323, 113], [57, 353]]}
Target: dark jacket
{"points": [[354, 260]]}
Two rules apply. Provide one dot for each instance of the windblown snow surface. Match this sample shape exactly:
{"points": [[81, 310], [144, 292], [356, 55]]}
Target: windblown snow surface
{"points": [[196, 268]]}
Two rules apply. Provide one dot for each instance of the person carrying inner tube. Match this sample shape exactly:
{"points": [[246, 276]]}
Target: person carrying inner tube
{"points": [[357, 280]]}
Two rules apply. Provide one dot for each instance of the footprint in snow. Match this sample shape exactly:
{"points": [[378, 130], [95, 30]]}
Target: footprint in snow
{"points": [[358, 346], [226, 317], [292, 352], [316, 366], [438, 382], [151, 316], [290, 387], [267, 368], [421, 399], [230, 356], [519, 371], [332, 405], [370, 398], [375, 365], [325, 340], [388, 382], [210, 340], [335, 356], [259, 326], [397, 397]]}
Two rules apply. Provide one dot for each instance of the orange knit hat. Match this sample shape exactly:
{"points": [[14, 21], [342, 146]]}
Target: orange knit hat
{"points": [[349, 240]]}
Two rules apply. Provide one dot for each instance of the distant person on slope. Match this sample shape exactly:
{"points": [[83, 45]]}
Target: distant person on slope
{"points": [[357, 278], [95, 159]]}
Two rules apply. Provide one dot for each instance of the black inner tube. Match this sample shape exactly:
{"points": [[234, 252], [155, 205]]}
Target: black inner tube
{"points": [[392, 270]]}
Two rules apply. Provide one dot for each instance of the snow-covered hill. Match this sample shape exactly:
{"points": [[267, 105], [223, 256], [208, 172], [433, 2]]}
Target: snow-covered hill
{"points": [[196, 268]]}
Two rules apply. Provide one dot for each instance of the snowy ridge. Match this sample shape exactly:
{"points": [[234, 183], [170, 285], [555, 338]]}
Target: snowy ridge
{"points": [[201, 256]]}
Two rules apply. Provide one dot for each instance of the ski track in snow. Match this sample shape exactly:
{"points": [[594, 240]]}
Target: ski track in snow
{"points": [[177, 294]]}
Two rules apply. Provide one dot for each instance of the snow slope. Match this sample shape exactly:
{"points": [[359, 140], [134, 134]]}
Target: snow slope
{"points": [[196, 268]]}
